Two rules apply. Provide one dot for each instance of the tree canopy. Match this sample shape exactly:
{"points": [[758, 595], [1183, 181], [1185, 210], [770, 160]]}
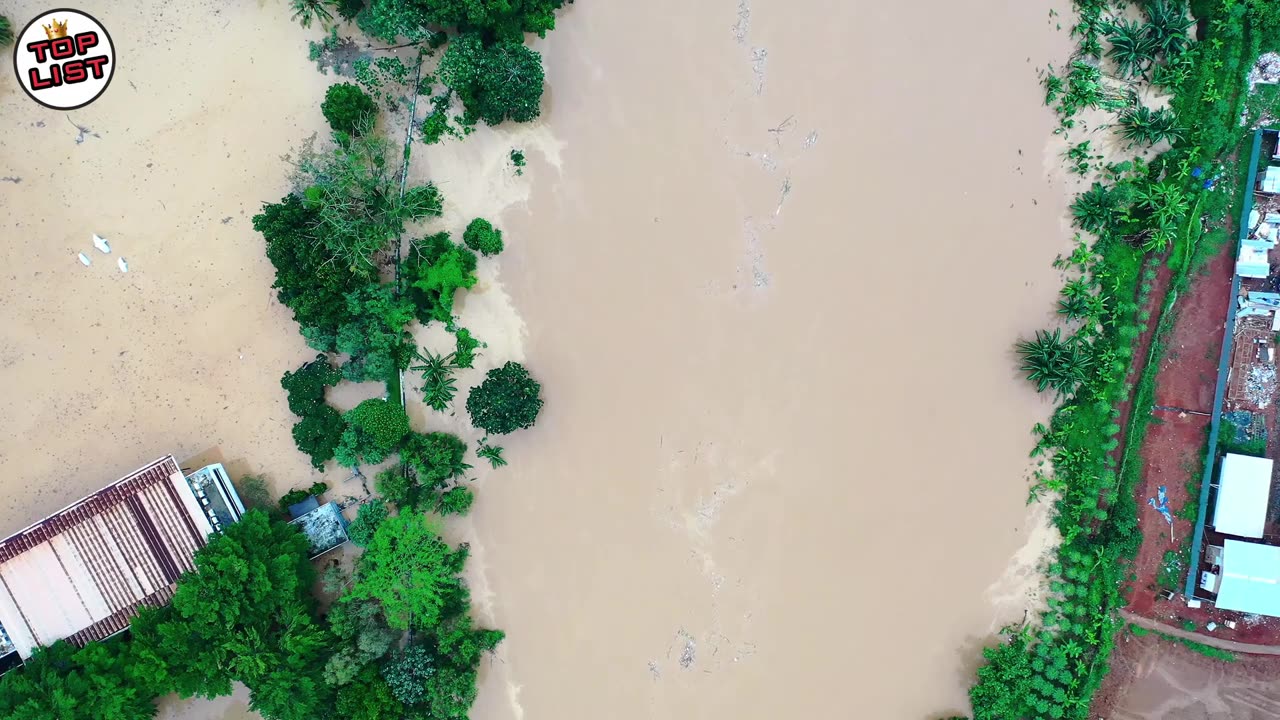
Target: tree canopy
{"points": [[245, 614], [506, 401], [483, 237], [410, 570], [62, 682], [348, 109], [497, 82], [375, 428], [417, 19], [437, 268]]}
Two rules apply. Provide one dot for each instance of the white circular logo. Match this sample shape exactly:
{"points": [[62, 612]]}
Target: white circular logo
{"points": [[64, 59]]}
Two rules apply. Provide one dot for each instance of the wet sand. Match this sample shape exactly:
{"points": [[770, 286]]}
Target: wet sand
{"points": [[767, 260]]}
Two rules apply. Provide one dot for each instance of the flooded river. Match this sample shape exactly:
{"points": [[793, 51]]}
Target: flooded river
{"points": [[768, 260]]}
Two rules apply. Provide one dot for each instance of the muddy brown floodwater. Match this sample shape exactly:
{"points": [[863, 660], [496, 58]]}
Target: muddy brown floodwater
{"points": [[768, 260]]}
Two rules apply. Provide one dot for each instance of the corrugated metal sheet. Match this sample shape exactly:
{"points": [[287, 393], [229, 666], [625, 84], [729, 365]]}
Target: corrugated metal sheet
{"points": [[83, 572]]}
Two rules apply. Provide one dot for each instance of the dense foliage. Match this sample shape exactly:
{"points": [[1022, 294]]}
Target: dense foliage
{"points": [[103, 681], [416, 19], [496, 82], [375, 428], [409, 570], [6, 31], [348, 109], [306, 385], [368, 518], [436, 268], [245, 615], [506, 401], [483, 237]]}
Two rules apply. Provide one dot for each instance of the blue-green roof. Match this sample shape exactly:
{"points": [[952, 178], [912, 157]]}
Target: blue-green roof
{"points": [[1250, 578]]}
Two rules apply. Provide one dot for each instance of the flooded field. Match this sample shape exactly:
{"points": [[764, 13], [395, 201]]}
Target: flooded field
{"points": [[767, 261]]}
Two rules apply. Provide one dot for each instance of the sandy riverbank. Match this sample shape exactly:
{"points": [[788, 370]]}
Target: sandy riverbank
{"points": [[767, 261]]}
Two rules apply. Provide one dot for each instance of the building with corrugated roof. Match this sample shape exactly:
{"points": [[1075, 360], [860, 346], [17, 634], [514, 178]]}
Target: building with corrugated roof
{"points": [[82, 573]]}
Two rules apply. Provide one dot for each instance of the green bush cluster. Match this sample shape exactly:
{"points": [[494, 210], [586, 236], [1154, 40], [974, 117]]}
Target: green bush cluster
{"points": [[507, 400], [374, 431], [349, 110], [483, 237]]}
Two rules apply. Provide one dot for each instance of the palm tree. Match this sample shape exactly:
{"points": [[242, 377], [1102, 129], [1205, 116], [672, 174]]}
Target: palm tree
{"points": [[1052, 362], [438, 386], [1095, 208], [1141, 124], [304, 11], [1168, 26], [1132, 48]]}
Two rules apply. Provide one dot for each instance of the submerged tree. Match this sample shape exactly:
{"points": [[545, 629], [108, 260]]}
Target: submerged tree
{"points": [[410, 570], [495, 82], [348, 109], [375, 428], [1141, 124], [1132, 47], [1052, 362], [506, 401]]}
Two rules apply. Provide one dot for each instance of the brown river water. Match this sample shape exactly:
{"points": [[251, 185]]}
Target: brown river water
{"points": [[768, 260]]}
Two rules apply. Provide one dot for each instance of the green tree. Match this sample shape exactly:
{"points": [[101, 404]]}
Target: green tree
{"points": [[368, 698], [348, 109], [464, 348], [306, 385], [455, 501], [368, 518], [1052, 362], [434, 457], [61, 682], [375, 338], [362, 630], [245, 614], [412, 19], [307, 282], [506, 401], [410, 570], [396, 487], [497, 82], [457, 650], [1144, 125], [1168, 25], [1132, 47], [408, 673], [437, 268], [375, 428], [6, 32], [318, 435], [483, 237], [438, 385], [305, 11]]}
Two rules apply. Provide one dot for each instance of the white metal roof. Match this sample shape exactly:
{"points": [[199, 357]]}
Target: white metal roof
{"points": [[1250, 578], [1243, 489]]}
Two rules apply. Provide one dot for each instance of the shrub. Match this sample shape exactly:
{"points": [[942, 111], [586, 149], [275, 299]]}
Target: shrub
{"points": [[456, 501], [483, 237], [437, 268], [253, 492], [348, 109], [506, 401], [368, 518], [306, 385], [318, 435], [434, 457], [465, 348], [375, 428], [6, 31]]}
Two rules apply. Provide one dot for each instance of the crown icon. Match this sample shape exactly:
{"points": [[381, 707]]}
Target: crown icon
{"points": [[59, 29]]}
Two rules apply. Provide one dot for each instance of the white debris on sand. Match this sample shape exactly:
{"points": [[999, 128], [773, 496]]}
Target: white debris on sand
{"points": [[688, 654], [1260, 386]]}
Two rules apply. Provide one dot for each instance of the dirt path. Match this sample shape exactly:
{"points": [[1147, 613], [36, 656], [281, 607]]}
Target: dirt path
{"points": [[1209, 640]]}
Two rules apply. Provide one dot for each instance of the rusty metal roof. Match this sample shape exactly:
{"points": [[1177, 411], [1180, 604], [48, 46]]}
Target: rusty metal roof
{"points": [[82, 573]]}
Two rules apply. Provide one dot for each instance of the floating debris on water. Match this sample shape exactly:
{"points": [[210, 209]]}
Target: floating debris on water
{"points": [[124, 266], [101, 243], [84, 260]]}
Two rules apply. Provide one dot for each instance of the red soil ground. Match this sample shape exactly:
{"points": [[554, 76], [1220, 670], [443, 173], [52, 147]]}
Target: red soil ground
{"points": [[1174, 451]]}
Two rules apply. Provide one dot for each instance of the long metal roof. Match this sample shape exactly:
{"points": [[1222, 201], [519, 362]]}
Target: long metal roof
{"points": [[83, 572]]}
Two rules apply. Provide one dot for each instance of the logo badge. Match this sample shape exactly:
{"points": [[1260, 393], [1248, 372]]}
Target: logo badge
{"points": [[64, 59]]}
